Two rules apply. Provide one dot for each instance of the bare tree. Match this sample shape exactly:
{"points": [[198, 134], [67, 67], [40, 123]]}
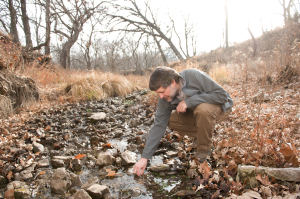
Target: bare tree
{"points": [[13, 21], [226, 26], [4, 15], [99, 60], [163, 56], [69, 20], [112, 54], [286, 11], [87, 44], [136, 21], [189, 33], [26, 26], [48, 27]]}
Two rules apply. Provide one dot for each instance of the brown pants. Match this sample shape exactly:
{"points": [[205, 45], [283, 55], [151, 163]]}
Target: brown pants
{"points": [[198, 123]]}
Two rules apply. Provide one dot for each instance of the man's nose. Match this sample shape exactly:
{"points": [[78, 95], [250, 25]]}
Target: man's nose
{"points": [[161, 96]]}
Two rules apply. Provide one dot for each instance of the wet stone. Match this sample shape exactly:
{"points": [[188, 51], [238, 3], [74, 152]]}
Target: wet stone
{"points": [[159, 167], [81, 194], [184, 193], [91, 181], [105, 159], [57, 163], [172, 153], [26, 175], [37, 147], [77, 164], [97, 191], [43, 163], [60, 182], [128, 157], [21, 190]]}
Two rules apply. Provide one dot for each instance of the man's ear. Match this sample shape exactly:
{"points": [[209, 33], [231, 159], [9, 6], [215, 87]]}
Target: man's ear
{"points": [[173, 82]]}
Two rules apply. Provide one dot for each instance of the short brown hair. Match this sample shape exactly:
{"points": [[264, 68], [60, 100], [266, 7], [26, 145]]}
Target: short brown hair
{"points": [[162, 76]]}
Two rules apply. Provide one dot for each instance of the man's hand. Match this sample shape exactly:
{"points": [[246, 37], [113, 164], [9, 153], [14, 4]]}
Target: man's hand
{"points": [[140, 166], [181, 108]]}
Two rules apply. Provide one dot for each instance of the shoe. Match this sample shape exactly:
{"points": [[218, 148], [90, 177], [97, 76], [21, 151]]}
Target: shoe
{"points": [[201, 157]]}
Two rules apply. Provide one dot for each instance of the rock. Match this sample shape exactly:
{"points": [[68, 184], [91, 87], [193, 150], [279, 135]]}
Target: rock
{"points": [[135, 192], [75, 179], [134, 122], [91, 181], [37, 147], [159, 167], [44, 173], [184, 193], [172, 153], [43, 163], [26, 175], [118, 161], [128, 157], [21, 190], [105, 159], [57, 163], [98, 116], [81, 194], [284, 174], [60, 182], [97, 191], [77, 164]]}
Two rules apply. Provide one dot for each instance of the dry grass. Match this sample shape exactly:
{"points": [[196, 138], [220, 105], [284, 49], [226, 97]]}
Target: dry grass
{"points": [[62, 85], [5, 106]]}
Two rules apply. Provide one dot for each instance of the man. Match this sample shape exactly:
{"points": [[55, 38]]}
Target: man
{"points": [[189, 103]]}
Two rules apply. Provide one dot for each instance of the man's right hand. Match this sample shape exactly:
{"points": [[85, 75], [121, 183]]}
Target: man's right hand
{"points": [[140, 166]]}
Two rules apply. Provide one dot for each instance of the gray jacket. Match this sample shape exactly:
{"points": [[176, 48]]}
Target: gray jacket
{"points": [[199, 88]]}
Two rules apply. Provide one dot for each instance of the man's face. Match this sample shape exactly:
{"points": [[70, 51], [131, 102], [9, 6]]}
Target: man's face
{"points": [[168, 93]]}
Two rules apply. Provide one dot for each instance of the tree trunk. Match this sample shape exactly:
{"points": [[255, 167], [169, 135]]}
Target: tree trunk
{"points": [[254, 43], [13, 21], [48, 25], [161, 52], [65, 53], [172, 46], [226, 25], [26, 25]]}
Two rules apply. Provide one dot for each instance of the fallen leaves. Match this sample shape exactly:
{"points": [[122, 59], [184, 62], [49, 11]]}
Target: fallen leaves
{"points": [[42, 172], [9, 194], [264, 179], [289, 154], [112, 173], [9, 175], [79, 156], [204, 169]]}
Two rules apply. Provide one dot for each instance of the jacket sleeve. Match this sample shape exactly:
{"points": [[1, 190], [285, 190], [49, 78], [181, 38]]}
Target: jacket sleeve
{"points": [[208, 91], [158, 129]]}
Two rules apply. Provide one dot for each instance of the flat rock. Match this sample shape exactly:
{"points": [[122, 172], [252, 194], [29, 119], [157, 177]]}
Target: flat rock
{"points": [[128, 157], [105, 159], [91, 181], [21, 189], [43, 163], [97, 191], [160, 167], [81, 194], [37, 147], [284, 174], [98, 116], [60, 182]]}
